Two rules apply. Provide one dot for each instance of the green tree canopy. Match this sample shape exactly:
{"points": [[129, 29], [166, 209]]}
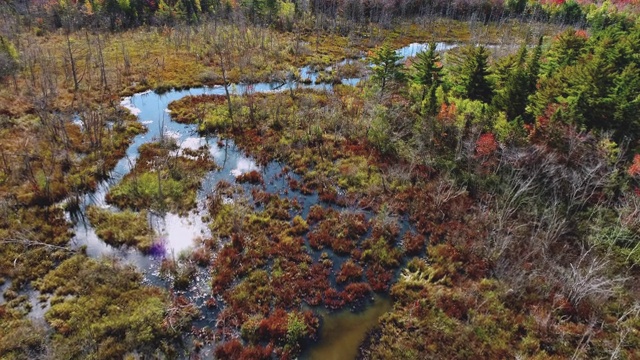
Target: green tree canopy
{"points": [[591, 80], [427, 73], [386, 67], [516, 78], [471, 74]]}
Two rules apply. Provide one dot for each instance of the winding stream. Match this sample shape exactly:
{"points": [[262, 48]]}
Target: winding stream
{"points": [[178, 232], [343, 331]]}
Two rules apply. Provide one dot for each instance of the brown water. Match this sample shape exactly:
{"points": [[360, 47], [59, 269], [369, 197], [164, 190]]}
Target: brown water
{"points": [[343, 332]]}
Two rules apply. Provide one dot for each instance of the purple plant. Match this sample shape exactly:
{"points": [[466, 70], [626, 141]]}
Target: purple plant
{"points": [[158, 248]]}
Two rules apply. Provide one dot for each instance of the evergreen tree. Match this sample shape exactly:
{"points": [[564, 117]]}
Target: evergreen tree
{"points": [[427, 73], [516, 79], [386, 67], [427, 69], [534, 66], [596, 85], [471, 74], [565, 51], [626, 98]]}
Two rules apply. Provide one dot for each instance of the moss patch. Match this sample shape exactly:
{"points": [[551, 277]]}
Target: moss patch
{"points": [[164, 178], [122, 228]]}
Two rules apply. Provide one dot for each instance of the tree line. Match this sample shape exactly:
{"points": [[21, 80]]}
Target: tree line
{"points": [[583, 79], [123, 14]]}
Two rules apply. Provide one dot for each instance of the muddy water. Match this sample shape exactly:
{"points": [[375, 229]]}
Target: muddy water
{"points": [[343, 332]]}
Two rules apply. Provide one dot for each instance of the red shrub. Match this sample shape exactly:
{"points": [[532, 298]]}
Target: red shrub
{"points": [[316, 284], [257, 353], [260, 197], [355, 224], [222, 279], [328, 195], [306, 190], [312, 322], [486, 145], [413, 243], [285, 293], [582, 34], [293, 184], [349, 271], [316, 213], [356, 254], [379, 278], [252, 177], [455, 305], [318, 239], [275, 326], [447, 114], [332, 299], [342, 246], [356, 292], [634, 169], [313, 298], [229, 350], [389, 231]]}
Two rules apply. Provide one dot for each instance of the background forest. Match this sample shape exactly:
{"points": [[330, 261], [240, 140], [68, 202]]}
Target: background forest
{"points": [[490, 189]]}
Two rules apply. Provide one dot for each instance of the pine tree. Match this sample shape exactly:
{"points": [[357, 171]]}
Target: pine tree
{"points": [[516, 79], [533, 66], [626, 97], [386, 67], [427, 69], [471, 74], [565, 51]]}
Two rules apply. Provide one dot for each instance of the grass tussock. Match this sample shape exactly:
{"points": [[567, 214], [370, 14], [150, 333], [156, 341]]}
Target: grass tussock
{"points": [[122, 228]]}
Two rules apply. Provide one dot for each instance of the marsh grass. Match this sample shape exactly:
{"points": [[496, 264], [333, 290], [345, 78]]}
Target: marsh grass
{"points": [[122, 228], [100, 307], [163, 179]]}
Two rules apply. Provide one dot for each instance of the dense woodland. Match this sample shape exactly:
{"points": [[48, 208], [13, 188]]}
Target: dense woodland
{"points": [[492, 190]]}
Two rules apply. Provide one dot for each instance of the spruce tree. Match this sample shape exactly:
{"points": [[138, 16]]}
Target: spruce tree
{"points": [[386, 67], [516, 79], [471, 74], [427, 69]]}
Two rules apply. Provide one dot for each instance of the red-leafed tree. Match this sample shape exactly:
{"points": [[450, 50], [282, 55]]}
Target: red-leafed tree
{"points": [[634, 169], [486, 145]]}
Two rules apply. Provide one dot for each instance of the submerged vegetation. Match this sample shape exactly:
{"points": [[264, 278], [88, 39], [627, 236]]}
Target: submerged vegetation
{"points": [[490, 189]]}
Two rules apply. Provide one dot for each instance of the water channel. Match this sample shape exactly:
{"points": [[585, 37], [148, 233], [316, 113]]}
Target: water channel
{"points": [[342, 332]]}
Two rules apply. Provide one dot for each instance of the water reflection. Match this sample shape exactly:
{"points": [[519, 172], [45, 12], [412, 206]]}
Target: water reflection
{"points": [[179, 232], [244, 166], [414, 48], [342, 332]]}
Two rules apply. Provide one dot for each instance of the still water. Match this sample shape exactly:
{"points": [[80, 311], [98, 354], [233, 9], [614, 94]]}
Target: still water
{"points": [[342, 332]]}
